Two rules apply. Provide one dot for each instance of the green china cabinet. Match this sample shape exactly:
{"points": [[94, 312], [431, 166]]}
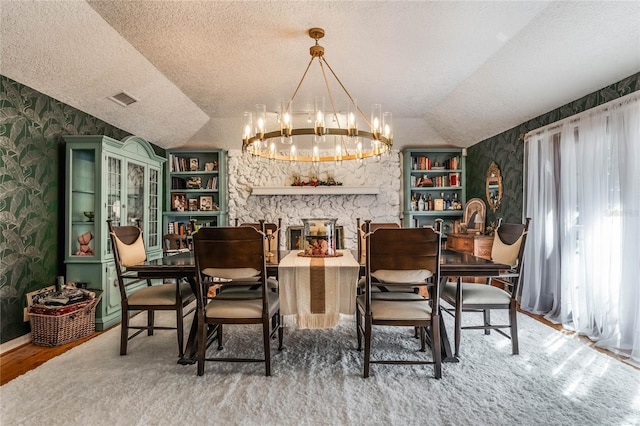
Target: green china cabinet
{"points": [[434, 186], [196, 190], [108, 179]]}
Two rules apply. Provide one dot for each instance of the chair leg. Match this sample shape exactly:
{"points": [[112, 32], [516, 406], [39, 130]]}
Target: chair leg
{"points": [[280, 332], [180, 330], [423, 340], [220, 347], [435, 342], [457, 327], [368, 319], [487, 320], [513, 322], [150, 321], [457, 324], [202, 344], [358, 329], [266, 328], [124, 331]]}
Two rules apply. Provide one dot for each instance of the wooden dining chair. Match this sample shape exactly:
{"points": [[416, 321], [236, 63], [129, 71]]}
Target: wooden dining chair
{"points": [[401, 257], [139, 294], [234, 256], [498, 292]]}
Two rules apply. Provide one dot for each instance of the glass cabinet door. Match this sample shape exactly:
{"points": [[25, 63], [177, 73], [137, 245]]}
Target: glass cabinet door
{"points": [[82, 204], [154, 207], [114, 193], [135, 194]]}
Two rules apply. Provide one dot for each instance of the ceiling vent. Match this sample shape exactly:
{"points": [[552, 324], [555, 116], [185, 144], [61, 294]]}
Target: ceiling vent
{"points": [[123, 99]]}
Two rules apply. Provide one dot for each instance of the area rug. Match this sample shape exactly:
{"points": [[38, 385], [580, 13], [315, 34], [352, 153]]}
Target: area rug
{"points": [[317, 380]]}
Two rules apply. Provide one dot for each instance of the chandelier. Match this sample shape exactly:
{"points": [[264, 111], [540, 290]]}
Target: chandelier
{"points": [[343, 141]]}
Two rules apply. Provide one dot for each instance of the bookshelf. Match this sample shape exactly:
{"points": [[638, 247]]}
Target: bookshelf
{"points": [[437, 176], [196, 188]]}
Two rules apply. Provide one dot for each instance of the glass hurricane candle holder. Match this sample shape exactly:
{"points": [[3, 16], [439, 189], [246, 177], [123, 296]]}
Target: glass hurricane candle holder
{"points": [[319, 238]]}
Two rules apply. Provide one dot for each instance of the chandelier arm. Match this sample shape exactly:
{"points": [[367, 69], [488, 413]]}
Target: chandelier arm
{"points": [[364, 117], [295, 92]]}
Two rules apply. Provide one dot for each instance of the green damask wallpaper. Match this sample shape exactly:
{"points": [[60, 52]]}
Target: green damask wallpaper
{"points": [[507, 150], [31, 193]]}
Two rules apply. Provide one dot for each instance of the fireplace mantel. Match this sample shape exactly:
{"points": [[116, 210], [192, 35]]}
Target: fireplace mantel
{"points": [[315, 190]]}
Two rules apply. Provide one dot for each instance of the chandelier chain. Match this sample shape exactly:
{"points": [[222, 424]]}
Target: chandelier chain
{"points": [[333, 104], [295, 92]]}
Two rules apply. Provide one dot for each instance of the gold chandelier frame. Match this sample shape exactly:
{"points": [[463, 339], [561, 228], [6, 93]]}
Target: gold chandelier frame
{"points": [[262, 144]]}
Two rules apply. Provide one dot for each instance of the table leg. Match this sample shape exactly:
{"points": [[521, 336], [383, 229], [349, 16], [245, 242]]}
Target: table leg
{"points": [[190, 351], [189, 357], [447, 353]]}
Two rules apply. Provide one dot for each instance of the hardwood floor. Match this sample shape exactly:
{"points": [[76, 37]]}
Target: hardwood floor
{"points": [[18, 361]]}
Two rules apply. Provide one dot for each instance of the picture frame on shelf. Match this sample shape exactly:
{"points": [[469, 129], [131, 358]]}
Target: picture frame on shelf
{"points": [[193, 204], [178, 201], [206, 203], [193, 164], [208, 167], [474, 216]]}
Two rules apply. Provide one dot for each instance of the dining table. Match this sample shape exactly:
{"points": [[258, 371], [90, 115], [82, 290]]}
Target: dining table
{"points": [[453, 264]]}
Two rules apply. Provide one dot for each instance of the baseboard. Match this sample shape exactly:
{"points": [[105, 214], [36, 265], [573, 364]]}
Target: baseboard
{"points": [[17, 342]]}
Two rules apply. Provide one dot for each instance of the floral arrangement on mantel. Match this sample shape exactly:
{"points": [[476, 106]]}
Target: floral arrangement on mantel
{"points": [[314, 181]]}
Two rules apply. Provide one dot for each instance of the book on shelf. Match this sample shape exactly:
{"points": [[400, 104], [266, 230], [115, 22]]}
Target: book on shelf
{"points": [[181, 164], [212, 183]]}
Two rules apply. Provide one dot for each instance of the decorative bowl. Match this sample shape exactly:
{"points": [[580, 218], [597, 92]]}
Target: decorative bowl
{"points": [[90, 215]]}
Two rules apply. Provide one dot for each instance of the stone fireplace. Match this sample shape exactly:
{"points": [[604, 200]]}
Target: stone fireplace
{"points": [[246, 173]]}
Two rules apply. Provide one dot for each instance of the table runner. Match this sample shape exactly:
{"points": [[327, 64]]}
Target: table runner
{"points": [[317, 290]]}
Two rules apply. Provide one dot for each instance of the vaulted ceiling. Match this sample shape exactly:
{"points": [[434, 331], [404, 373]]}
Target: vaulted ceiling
{"points": [[451, 72]]}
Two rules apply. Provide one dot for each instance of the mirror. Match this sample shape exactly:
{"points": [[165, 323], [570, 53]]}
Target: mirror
{"points": [[494, 186]]}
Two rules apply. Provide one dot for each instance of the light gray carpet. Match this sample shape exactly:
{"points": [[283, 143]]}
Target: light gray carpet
{"points": [[317, 380]]}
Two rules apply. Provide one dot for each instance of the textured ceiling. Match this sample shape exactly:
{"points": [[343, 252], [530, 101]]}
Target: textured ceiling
{"points": [[451, 72]]}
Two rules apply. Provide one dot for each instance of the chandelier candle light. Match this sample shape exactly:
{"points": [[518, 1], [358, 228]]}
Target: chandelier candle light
{"points": [[347, 137]]}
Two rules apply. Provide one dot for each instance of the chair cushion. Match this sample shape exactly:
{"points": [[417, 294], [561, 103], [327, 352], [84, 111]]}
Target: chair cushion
{"points": [[130, 254], [164, 294], [377, 287], [248, 308], [231, 273], [399, 276], [409, 306], [477, 294]]}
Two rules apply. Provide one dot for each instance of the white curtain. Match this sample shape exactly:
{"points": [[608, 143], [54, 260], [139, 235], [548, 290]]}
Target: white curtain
{"points": [[582, 260]]}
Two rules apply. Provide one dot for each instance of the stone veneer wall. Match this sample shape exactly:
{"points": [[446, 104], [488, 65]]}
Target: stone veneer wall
{"points": [[245, 172]]}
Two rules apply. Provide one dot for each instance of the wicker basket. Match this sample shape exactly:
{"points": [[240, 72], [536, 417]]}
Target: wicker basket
{"points": [[55, 330]]}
